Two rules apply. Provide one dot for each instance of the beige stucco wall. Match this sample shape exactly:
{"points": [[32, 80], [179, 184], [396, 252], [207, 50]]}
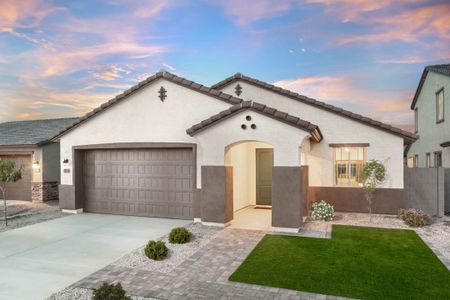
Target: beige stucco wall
{"points": [[384, 146], [285, 139], [432, 134], [142, 117]]}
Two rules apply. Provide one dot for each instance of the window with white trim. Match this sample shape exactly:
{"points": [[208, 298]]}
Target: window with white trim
{"points": [[428, 160], [416, 120], [348, 164], [440, 105], [438, 159]]}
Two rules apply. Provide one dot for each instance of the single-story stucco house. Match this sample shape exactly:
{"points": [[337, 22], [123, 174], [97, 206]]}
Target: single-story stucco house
{"points": [[170, 147], [27, 144]]}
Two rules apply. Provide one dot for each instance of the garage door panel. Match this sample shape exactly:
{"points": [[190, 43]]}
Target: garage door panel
{"points": [[148, 182], [20, 190]]}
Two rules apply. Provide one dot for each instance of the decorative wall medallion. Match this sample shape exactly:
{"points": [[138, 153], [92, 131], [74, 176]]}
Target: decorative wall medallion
{"points": [[238, 89], [162, 93], [243, 126], [253, 126]]}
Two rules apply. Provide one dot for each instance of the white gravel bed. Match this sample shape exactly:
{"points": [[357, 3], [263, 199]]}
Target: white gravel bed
{"points": [[178, 253], [82, 294], [24, 213], [436, 235]]}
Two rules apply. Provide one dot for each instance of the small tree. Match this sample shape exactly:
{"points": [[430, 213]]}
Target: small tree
{"points": [[8, 173], [372, 175]]}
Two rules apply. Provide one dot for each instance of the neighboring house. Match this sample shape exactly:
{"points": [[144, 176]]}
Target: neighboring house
{"points": [[27, 144], [169, 147], [431, 107]]}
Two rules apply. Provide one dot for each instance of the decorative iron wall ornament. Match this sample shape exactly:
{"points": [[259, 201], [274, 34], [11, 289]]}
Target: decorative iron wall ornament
{"points": [[162, 94], [238, 89], [248, 118], [243, 126], [253, 126]]}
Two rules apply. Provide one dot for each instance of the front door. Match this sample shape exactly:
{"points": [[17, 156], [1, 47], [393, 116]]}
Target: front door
{"points": [[264, 164]]}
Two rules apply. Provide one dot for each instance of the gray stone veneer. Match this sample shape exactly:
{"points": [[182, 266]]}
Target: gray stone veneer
{"points": [[44, 191]]}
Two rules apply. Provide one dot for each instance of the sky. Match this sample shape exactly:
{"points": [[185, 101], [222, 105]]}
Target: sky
{"points": [[64, 58]]}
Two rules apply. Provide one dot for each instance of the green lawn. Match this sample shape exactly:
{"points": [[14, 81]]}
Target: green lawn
{"points": [[358, 262]]}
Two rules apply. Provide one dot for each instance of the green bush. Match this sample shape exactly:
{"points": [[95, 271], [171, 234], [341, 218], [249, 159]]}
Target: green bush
{"points": [[179, 235], [156, 250], [110, 292], [414, 217], [322, 211]]}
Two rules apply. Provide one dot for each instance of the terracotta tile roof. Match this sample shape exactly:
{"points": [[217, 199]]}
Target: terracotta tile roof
{"points": [[163, 74], [441, 69], [262, 109], [31, 133], [407, 136]]}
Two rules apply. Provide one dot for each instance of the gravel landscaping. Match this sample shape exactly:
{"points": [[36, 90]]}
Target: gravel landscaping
{"points": [[178, 253], [436, 235], [81, 294], [24, 213]]}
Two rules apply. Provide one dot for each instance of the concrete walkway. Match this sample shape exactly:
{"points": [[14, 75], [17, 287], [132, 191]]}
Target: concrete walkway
{"points": [[38, 260]]}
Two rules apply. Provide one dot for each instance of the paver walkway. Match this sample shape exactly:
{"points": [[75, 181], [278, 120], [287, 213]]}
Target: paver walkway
{"points": [[203, 276]]}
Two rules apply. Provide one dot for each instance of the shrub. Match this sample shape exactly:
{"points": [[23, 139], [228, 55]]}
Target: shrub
{"points": [[322, 211], [179, 235], [110, 292], [414, 217], [156, 250]]}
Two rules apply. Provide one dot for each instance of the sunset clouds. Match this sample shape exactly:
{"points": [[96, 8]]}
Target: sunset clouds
{"points": [[63, 58]]}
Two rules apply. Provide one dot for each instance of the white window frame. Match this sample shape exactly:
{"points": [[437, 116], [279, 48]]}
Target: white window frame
{"points": [[364, 148], [440, 106]]}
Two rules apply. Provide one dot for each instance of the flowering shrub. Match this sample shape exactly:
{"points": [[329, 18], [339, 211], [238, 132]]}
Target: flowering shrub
{"points": [[414, 217], [322, 211]]}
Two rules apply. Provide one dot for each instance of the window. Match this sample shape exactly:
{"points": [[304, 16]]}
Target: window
{"points": [[349, 162], [438, 159], [416, 161], [440, 106], [416, 120], [428, 160], [410, 162]]}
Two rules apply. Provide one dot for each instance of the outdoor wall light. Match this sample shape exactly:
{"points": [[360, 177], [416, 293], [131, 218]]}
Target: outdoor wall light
{"points": [[36, 167]]}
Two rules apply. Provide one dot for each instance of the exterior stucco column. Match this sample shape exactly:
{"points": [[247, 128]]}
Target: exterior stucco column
{"points": [[287, 198], [217, 194]]}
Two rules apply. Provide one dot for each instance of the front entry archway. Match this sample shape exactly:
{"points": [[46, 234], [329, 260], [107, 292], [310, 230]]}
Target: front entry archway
{"points": [[252, 163]]}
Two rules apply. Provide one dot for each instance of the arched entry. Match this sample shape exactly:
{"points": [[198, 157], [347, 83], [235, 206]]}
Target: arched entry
{"points": [[252, 163]]}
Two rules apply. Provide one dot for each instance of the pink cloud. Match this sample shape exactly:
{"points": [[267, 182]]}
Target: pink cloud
{"points": [[345, 91], [408, 26], [24, 14], [353, 10]]}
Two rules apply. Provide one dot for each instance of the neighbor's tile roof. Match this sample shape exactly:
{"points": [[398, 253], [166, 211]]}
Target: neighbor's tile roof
{"points": [[407, 136], [31, 133], [163, 74], [441, 69], [262, 109]]}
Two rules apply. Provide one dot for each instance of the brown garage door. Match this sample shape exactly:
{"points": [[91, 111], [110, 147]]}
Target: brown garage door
{"points": [[20, 190], [140, 182]]}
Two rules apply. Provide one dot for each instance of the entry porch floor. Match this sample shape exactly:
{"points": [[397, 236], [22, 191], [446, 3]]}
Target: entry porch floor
{"points": [[253, 218]]}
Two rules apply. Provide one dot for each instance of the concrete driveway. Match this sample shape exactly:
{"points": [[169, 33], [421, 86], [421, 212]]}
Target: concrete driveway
{"points": [[38, 260]]}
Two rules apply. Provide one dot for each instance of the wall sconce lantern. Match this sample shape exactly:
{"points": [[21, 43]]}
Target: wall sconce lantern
{"points": [[36, 167]]}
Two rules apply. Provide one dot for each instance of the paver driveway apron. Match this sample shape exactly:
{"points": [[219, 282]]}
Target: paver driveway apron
{"points": [[40, 259]]}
